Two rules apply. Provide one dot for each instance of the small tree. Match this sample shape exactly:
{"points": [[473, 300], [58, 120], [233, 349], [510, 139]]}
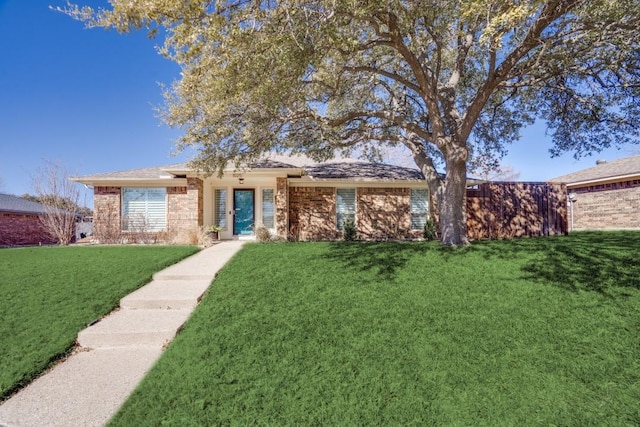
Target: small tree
{"points": [[350, 232], [60, 197]]}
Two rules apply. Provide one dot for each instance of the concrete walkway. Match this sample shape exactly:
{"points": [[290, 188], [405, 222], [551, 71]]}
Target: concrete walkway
{"points": [[88, 388]]}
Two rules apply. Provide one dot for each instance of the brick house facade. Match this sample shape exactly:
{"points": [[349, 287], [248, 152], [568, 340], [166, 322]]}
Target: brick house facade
{"points": [[20, 222], [295, 198], [606, 196], [291, 196]]}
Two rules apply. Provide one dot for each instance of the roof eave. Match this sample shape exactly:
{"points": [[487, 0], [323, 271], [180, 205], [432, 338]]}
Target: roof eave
{"points": [[21, 212], [600, 180], [129, 182]]}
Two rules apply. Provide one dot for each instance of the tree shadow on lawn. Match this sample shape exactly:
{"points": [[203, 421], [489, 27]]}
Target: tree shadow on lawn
{"points": [[383, 258], [596, 262], [589, 261]]}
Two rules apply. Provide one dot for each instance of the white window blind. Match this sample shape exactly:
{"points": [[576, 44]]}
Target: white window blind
{"points": [[220, 208], [419, 208], [345, 206], [144, 209], [268, 208]]}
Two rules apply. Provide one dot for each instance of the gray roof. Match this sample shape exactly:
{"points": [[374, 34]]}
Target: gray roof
{"points": [[166, 171], [144, 173], [334, 169], [15, 204], [362, 170], [610, 170]]}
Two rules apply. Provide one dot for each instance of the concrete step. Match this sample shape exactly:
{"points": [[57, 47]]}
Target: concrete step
{"points": [[201, 266], [166, 294], [134, 328], [248, 238]]}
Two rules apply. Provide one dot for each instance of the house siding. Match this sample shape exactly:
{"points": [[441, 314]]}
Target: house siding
{"points": [[18, 229], [611, 206]]}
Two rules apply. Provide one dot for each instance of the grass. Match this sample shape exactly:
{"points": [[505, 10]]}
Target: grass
{"points": [[49, 294], [526, 332]]}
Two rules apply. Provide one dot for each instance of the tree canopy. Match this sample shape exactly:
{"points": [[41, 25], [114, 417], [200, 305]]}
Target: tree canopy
{"points": [[453, 81]]}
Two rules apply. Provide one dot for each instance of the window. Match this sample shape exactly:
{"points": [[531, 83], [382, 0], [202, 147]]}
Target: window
{"points": [[220, 208], [345, 206], [267, 208], [144, 209], [419, 208]]}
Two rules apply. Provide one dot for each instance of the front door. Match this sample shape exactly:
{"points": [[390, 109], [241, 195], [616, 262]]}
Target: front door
{"points": [[243, 207]]}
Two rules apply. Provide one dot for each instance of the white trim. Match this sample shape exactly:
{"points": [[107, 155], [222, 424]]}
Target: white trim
{"points": [[600, 180], [135, 182]]}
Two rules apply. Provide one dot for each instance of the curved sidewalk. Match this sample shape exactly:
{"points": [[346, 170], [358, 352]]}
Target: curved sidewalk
{"points": [[115, 353]]}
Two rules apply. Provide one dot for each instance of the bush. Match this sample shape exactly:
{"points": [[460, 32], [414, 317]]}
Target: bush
{"points": [[349, 230], [429, 231], [263, 234]]}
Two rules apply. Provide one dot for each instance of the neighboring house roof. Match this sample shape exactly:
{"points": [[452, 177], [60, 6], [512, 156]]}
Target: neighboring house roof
{"points": [[603, 171], [14, 204], [363, 171]]}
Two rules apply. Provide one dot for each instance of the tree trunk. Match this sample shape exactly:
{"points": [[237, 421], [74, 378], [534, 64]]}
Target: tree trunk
{"points": [[453, 226], [448, 194]]}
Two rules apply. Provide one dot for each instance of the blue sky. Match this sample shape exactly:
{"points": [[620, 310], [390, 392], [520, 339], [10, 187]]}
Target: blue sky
{"points": [[85, 98]]}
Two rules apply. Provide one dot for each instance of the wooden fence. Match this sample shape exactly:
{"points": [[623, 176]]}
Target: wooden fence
{"points": [[499, 210]]}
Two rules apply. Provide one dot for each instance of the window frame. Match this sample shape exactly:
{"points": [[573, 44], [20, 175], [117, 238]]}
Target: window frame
{"points": [[273, 207], [423, 213], [220, 218], [346, 213], [129, 225]]}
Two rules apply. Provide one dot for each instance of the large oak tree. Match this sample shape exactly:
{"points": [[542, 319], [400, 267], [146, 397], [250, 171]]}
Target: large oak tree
{"points": [[453, 81]]}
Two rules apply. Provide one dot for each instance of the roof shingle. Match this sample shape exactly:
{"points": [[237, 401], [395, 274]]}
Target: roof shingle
{"points": [[362, 170], [609, 170]]}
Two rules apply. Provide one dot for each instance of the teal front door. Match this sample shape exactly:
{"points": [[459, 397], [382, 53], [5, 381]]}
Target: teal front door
{"points": [[243, 207]]}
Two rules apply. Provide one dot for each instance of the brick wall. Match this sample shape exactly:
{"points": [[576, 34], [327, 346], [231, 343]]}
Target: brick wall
{"points": [[282, 206], [106, 213], [606, 209], [22, 229], [184, 206], [384, 213], [312, 213], [381, 213]]}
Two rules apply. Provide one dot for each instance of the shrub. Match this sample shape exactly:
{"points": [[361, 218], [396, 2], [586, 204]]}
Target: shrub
{"points": [[349, 230], [263, 234], [429, 230]]}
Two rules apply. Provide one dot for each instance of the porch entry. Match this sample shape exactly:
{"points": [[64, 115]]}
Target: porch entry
{"points": [[243, 212]]}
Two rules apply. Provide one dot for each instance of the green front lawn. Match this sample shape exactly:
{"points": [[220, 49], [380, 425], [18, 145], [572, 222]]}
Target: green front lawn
{"points": [[526, 332], [49, 294]]}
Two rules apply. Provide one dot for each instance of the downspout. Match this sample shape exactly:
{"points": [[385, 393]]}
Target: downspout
{"points": [[572, 199]]}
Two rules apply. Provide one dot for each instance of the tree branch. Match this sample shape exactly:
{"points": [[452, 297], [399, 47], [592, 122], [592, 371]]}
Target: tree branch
{"points": [[549, 14]]}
